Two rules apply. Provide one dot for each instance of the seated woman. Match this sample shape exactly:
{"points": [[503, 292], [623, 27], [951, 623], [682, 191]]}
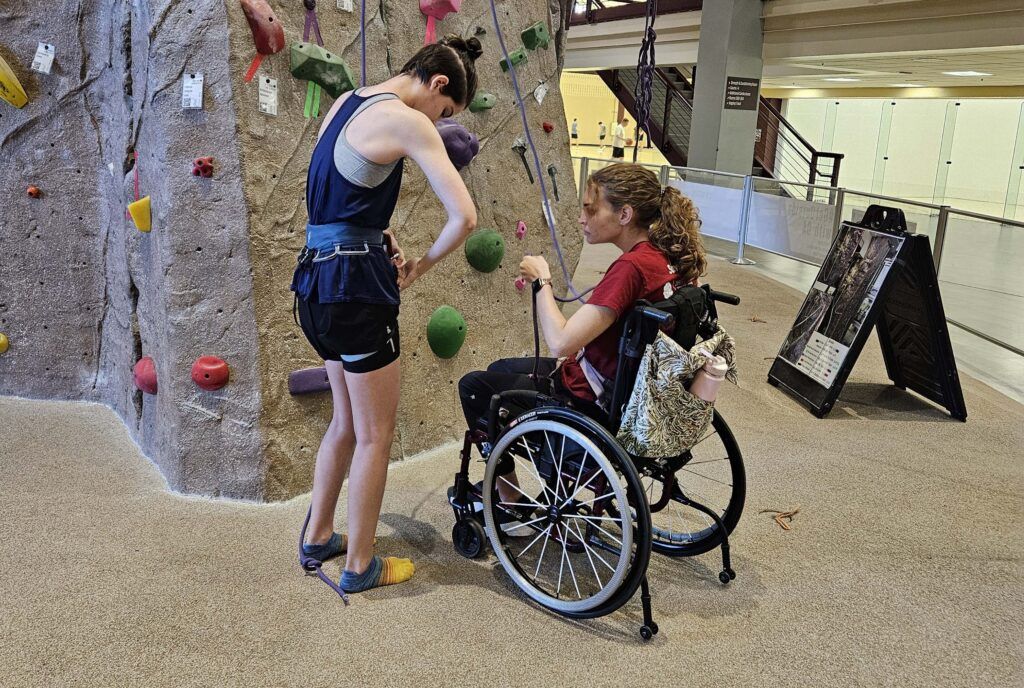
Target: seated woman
{"points": [[658, 233]]}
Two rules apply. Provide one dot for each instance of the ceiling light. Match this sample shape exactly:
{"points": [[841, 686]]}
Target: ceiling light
{"points": [[840, 78], [968, 73], [907, 85]]}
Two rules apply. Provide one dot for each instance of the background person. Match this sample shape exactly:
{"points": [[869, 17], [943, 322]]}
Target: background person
{"points": [[619, 140]]}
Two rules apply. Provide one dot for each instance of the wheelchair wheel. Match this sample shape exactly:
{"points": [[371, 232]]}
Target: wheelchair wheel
{"points": [[468, 538], [564, 542], [711, 473]]}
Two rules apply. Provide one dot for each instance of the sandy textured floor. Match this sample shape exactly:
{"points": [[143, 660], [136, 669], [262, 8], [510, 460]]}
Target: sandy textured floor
{"points": [[902, 568]]}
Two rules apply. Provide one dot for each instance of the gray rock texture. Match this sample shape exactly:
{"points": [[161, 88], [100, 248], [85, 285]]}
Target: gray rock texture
{"points": [[83, 294]]}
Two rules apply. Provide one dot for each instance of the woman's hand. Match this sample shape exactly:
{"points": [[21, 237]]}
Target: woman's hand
{"points": [[533, 268], [408, 273], [395, 251]]}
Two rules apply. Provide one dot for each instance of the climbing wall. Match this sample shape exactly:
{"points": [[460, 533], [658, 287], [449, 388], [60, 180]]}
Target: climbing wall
{"points": [[86, 294]]}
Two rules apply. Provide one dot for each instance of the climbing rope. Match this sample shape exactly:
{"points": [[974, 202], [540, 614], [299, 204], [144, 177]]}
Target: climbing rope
{"points": [[313, 566], [644, 88], [549, 216], [362, 41]]}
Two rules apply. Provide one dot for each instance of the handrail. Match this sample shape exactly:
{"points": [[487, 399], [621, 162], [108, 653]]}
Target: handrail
{"points": [[772, 109], [630, 10], [988, 218]]}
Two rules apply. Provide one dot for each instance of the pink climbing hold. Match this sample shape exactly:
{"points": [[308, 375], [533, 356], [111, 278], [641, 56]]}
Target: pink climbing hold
{"points": [[436, 10], [145, 375], [203, 167], [520, 283], [210, 373], [520, 229]]}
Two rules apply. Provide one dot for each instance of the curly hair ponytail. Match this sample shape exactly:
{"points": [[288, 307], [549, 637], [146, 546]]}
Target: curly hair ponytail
{"points": [[670, 218], [677, 234]]}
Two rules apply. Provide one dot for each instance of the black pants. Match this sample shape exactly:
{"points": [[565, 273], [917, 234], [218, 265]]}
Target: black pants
{"points": [[477, 388]]}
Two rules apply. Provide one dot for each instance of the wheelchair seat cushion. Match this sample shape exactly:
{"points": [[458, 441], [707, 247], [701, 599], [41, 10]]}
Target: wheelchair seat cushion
{"points": [[662, 418]]}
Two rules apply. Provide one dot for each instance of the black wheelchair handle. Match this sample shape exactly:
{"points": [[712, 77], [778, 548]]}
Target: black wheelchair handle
{"points": [[659, 316], [721, 296]]}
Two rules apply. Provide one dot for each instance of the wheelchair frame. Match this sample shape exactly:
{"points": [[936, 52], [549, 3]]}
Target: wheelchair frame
{"points": [[641, 328]]}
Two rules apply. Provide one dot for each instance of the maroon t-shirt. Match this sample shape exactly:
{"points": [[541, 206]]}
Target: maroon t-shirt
{"points": [[640, 273]]}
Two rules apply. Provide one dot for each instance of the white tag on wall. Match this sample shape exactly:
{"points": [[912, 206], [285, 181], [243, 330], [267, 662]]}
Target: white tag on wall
{"points": [[43, 61], [540, 92], [192, 91], [268, 95], [345, 5]]}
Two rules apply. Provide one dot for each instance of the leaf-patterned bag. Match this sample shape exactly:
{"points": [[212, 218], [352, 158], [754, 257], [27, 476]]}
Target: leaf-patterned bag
{"points": [[662, 418]]}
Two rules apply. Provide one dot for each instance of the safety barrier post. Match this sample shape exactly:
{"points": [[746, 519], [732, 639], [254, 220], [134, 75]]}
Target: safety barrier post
{"points": [[584, 173], [748, 197], [840, 198], [663, 176], [940, 236]]}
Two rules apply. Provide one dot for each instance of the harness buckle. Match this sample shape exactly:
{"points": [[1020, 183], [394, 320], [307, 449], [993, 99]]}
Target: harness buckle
{"points": [[305, 258]]}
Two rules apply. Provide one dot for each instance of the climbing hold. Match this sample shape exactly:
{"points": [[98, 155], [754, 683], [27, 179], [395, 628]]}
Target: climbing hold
{"points": [[484, 250], [446, 332], [552, 171], [520, 147], [482, 101], [548, 127], [5, 343], [520, 229], [308, 381], [144, 373], [517, 56], [520, 283], [311, 62], [267, 32], [461, 144], [210, 373], [436, 10], [34, 192], [10, 88], [536, 36], [140, 212], [203, 167]]}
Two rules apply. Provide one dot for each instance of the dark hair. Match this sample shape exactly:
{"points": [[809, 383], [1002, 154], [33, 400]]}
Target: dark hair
{"points": [[670, 218], [452, 56]]}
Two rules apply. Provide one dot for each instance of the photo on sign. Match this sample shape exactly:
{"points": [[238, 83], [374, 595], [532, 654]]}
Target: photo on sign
{"points": [[835, 309]]}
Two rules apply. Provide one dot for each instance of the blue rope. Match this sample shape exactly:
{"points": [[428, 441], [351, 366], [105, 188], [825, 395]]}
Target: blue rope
{"points": [[362, 38]]}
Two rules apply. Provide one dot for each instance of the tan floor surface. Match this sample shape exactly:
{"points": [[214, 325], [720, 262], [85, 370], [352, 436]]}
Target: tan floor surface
{"points": [[903, 567]]}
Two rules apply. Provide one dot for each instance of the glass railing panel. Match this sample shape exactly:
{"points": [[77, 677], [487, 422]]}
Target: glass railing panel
{"points": [[717, 195], [782, 219]]}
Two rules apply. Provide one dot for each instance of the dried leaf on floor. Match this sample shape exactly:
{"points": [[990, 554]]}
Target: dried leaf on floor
{"points": [[782, 517]]}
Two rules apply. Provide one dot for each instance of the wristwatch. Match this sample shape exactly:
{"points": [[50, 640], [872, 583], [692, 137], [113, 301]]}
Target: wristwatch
{"points": [[539, 283]]}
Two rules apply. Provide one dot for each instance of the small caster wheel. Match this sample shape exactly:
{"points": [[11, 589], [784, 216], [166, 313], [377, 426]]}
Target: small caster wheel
{"points": [[468, 538], [646, 632], [732, 574], [654, 628], [724, 577]]}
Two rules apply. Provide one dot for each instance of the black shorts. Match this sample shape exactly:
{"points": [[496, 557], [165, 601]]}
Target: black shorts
{"points": [[575, 136], [363, 336], [618, 152]]}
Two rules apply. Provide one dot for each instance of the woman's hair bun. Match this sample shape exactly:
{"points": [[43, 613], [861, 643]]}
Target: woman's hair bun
{"points": [[470, 46]]}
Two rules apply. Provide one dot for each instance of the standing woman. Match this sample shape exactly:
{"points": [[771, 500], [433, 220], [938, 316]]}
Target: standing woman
{"points": [[348, 280]]}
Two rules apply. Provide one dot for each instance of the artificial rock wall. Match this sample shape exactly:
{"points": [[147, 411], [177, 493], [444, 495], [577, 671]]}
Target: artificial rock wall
{"points": [[83, 294]]}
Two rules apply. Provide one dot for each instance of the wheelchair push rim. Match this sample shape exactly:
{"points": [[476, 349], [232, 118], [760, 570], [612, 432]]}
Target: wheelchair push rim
{"points": [[567, 552]]}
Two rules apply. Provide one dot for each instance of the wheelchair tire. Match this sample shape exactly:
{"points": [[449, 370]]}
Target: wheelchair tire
{"points": [[568, 469], [672, 537], [468, 538]]}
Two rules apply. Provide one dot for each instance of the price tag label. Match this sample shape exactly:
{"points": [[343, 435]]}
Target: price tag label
{"points": [[268, 96], [43, 61], [540, 92], [345, 5], [192, 91]]}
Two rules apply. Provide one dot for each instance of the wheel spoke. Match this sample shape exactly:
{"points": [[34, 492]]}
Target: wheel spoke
{"points": [[590, 551], [533, 469], [533, 541], [701, 475], [543, 548], [572, 573], [580, 487], [525, 525], [591, 519], [561, 566], [536, 471], [516, 488], [587, 550], [593, 499]]}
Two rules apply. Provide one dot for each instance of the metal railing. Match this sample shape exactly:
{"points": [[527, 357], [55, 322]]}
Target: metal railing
{"points": [[925, 218]]}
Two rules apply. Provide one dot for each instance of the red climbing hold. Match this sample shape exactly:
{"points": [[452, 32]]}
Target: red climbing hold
{"points": [[210, 373], [267, 32], [203, 167], [34, 192], [548, 127], [145, 375]]}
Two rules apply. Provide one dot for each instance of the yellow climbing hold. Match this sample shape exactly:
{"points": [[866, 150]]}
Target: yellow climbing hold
{"points": [[10, 88], [140, 214], [5, 343]]}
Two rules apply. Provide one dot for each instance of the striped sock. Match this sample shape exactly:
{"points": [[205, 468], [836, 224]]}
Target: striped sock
{"points": [[387, 571]]}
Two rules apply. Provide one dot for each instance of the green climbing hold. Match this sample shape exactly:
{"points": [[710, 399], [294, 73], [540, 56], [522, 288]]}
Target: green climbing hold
{"points": [[482, 101], [311, 62], [484, 250], [536, 36], [446, 332], [517, 56]]}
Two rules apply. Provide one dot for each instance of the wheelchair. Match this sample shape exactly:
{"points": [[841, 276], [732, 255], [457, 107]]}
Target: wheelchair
{"points": [[578, 538]]}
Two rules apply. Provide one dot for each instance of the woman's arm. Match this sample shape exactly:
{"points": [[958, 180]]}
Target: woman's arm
{"points": [[564, 337], [424, 145]]}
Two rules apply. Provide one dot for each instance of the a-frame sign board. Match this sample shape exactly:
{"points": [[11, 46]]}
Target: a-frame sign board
{"points": [[875, 273]]}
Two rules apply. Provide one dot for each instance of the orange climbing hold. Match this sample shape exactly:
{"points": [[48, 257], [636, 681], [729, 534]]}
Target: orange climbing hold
{"points": [[34, 192], [145, 375], [210, 373]]}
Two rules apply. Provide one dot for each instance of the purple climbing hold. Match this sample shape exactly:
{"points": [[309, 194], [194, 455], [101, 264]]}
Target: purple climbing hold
{"points": [[461, 144], [308, 381]]}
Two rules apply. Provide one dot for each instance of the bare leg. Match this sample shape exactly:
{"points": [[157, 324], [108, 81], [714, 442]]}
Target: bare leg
{"points": [[374, 398], [332, 459]]}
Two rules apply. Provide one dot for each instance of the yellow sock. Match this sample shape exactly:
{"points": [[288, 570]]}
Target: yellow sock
{"points": [[387, 571]]}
